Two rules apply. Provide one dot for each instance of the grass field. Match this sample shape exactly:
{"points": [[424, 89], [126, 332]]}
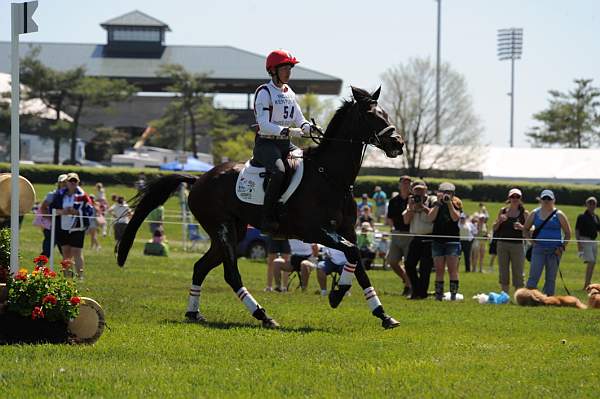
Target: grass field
{"points": [[440, 350]]}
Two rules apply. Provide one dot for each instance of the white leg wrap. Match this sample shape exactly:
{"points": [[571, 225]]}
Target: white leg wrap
{"points": [[194, 299], [247, 299], [372, 299], [347, 274]]}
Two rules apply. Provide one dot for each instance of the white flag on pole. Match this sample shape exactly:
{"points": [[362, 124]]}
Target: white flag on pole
{"points": [[23, 17]]}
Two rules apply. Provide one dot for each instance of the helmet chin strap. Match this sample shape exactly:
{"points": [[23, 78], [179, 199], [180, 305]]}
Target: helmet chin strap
{"points": [[278, 80]]}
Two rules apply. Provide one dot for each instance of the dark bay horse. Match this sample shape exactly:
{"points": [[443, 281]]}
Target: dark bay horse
{"points": [[321, 210]]}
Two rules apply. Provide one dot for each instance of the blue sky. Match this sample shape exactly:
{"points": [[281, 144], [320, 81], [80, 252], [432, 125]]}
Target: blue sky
{"points": [[357, 40]]}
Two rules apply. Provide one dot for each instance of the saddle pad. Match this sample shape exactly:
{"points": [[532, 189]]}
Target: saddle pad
{"points": [[249, 185]]}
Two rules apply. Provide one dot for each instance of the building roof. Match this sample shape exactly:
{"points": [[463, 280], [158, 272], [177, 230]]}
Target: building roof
{"points": [[229, 69], [532, 164], [135, 18]]}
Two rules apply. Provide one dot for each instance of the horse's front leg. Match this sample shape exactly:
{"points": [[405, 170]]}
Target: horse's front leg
{"points": [[227, 237], [354, 267]]}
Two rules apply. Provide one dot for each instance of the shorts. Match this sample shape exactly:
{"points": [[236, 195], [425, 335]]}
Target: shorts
{"points": [[74, 239], [398, 247], [329, 267], [440, 248], [278, 246], [381, 211], [590, 251], [296, 260]]}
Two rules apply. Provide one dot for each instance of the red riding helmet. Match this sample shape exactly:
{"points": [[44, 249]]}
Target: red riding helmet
{"points": [[280, 57]]}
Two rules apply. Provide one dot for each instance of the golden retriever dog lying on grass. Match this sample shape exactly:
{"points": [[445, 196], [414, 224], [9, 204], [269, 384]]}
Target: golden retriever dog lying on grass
{"points": [[593, 291], [529, 297]]}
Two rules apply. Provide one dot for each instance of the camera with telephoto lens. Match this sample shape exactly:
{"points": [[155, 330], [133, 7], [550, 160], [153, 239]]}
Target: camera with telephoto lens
{"points": [[446, 198], [417, 199]]}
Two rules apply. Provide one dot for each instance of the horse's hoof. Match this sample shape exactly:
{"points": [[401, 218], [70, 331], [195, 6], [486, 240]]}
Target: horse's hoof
{"points": [[336, 296], [389, 323], [194, 317], [270, 323]]}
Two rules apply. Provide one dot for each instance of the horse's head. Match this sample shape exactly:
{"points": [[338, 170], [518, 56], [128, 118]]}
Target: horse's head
{"points": [[376, 128]]}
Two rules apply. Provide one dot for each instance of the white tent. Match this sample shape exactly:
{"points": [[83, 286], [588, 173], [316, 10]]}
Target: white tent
{"points": [[533, 164]]}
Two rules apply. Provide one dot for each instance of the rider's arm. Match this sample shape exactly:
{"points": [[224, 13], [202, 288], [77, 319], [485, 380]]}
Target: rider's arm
{"points": [[261, 109]]}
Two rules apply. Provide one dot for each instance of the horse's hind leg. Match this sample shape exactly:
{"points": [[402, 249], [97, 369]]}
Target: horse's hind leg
{"points": [[211, 259], [227, 238]]}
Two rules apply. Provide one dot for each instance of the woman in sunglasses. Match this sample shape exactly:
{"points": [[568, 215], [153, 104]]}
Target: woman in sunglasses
{"points": [[509, 225], [550, 241]]}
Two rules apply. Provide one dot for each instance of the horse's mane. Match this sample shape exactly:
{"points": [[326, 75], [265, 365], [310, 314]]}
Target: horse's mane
{"points": [[334, 125]]}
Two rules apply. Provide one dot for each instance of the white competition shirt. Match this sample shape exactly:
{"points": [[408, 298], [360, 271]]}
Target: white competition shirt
{"points": [[300, 248], [67, 221], [276, 108]]}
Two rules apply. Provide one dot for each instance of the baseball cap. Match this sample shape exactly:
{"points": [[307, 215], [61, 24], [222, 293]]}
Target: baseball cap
{"points": [[365, 195], [447, 186], [419, 184], [547, 193], [73, 175], [515, 191], [591, 199], [405, 177], [62, 178]]}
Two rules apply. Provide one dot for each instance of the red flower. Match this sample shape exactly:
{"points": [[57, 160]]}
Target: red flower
{"points": [[40, 260], [66, 264], [75, 300], [51, 274], [37, 313], [21, 276], [49, 299]]}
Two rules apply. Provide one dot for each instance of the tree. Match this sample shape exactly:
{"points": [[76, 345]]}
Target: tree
{"points": [[191, 89], [92, 91], [234, 143], [53, 88], [571, 119], [314, 108], [106, 142], [408, 95]]}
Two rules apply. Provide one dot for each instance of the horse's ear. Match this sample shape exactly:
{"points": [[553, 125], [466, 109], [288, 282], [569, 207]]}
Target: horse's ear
{"points": [[375, 95], [359, 94]]}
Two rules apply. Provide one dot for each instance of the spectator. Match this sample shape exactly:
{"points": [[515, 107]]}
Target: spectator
{"points": [[508, 228], [445, 251], [121, 212], [382, 248], [93, 228], [586, 228], [333, 263], [277, 248], [483, 211], [364, 202], [156, 217], [478, 249], [365, 217], [549, 244], [303, 260], [74, 208], [380, 198], [493, 250], [365, 244], [419, 251], [101, 207], [140, 183], [45, 221], [400, 232], [467, 235], [158, 245]]}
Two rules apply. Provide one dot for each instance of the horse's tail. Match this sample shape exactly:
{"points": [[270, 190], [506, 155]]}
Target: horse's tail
{"points": [[149, 198]]}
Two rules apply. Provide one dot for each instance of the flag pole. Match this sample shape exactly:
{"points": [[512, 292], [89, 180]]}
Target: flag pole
{"points": [[14, 141]]}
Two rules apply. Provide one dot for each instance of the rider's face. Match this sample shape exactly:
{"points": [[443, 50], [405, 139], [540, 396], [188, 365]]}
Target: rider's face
{"points": [[285, 71]]}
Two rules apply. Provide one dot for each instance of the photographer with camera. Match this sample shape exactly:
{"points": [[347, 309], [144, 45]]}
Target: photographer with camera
{"points": [[446, 250], [419, 250]]}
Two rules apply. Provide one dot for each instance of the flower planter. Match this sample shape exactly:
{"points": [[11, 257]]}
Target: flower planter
{"points": [[17, 329]]}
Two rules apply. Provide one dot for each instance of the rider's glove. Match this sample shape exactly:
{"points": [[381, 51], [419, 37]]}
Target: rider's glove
{"points": [[306, 128]]}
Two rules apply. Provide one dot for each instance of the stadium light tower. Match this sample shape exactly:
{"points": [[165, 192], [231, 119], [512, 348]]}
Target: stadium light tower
{"points": [[510, 47]]}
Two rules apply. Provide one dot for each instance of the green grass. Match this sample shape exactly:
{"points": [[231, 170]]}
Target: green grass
{"points": [[440, 349]]}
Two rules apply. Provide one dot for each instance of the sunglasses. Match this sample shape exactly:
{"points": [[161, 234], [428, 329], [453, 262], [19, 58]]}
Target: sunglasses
{"points": [[73, 181], [546, 198], [515, 196]]}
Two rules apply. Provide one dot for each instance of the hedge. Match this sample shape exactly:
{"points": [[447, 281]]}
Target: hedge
{"points": [[41, 173], [476, 190], [489, 190]]}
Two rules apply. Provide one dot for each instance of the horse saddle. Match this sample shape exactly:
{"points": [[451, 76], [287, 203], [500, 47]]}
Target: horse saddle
{"points": [[250, 185]]}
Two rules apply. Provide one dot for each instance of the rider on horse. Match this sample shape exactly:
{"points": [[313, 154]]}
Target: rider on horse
{"points": [[276, 111]]}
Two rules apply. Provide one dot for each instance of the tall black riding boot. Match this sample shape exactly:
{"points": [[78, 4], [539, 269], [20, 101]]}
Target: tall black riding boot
{"points": [[270, 223]]}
